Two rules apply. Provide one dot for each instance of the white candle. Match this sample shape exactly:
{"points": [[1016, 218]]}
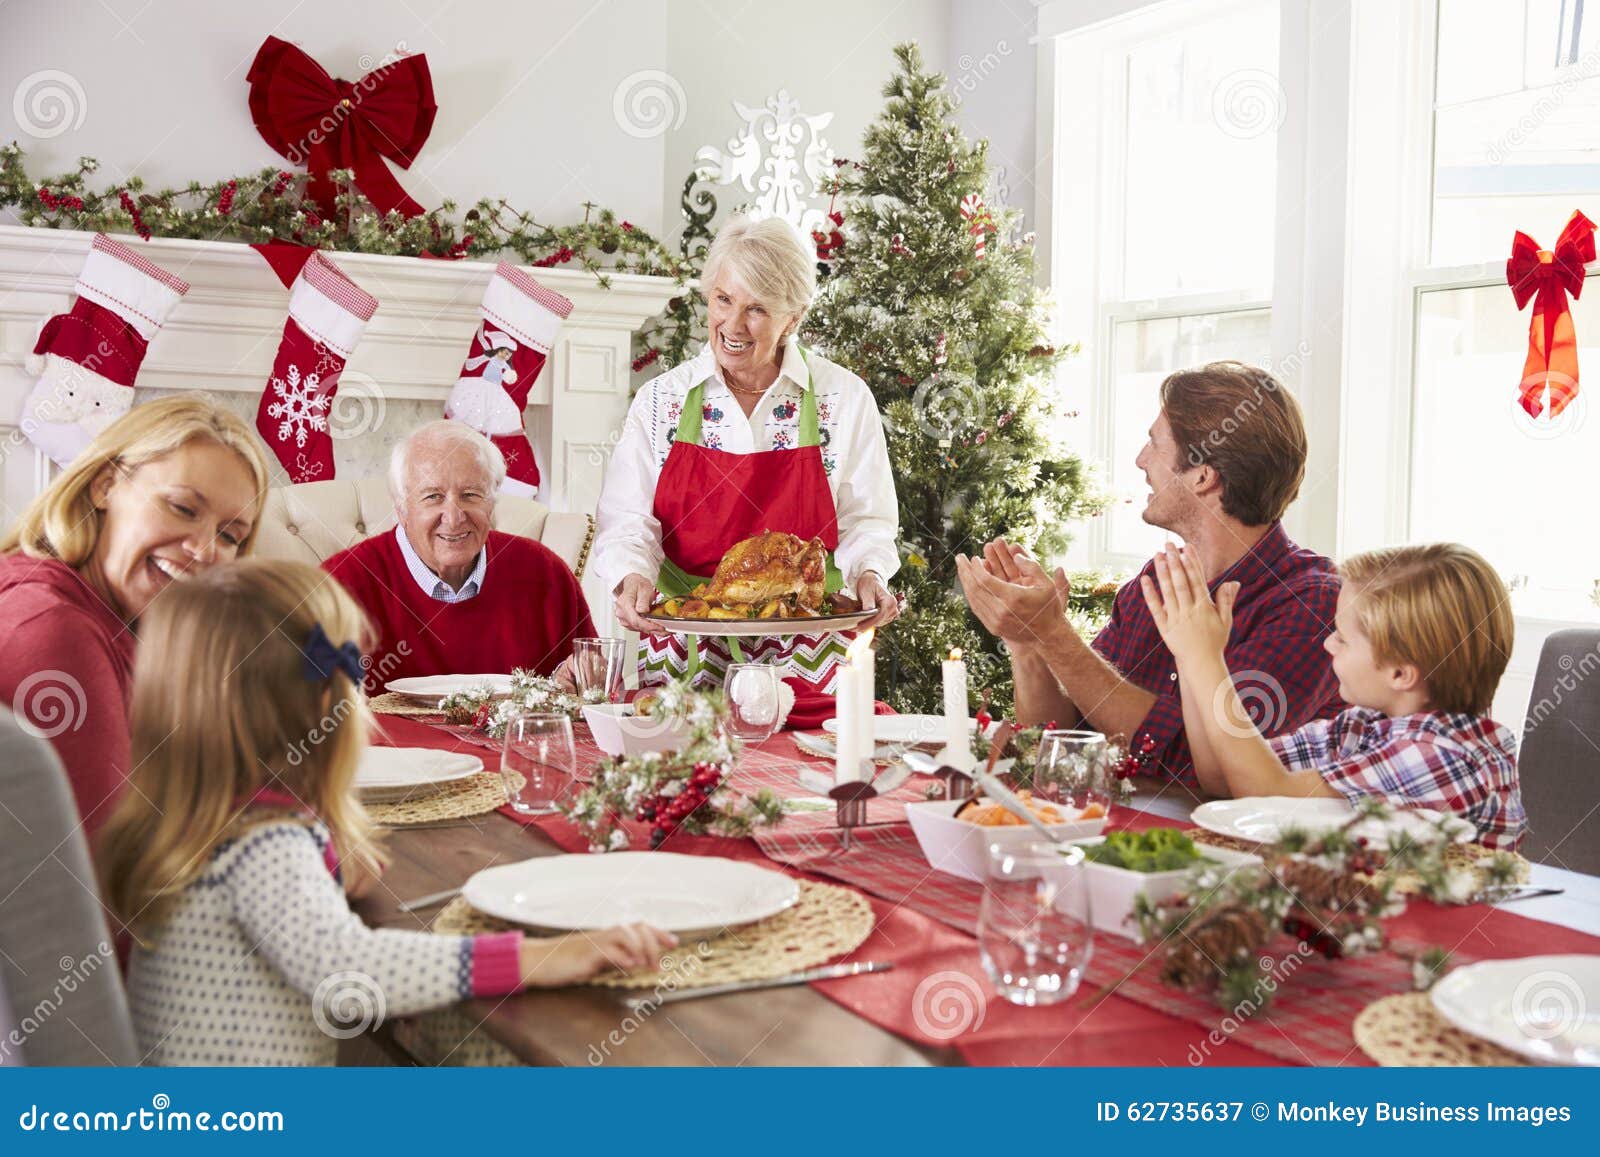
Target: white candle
{"points": [[853, 709], [957, 728]]}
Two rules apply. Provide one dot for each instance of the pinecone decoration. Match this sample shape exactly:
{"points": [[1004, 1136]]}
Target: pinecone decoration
{"points": [[1224, 936]]}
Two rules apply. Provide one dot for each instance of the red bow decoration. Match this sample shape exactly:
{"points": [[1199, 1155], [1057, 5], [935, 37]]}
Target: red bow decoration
{"points": [[1547, 276], [323, 123]]}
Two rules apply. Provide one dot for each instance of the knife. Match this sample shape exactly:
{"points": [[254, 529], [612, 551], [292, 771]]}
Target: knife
{"points": [[827, 972], [429, 900], [1528, 894]]}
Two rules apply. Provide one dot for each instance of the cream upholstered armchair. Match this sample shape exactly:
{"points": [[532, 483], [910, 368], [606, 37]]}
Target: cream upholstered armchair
{"points": [[314, 521]]}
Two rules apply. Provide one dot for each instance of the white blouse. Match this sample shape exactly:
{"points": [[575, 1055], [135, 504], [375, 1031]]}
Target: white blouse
{"points": [[854, 456]]}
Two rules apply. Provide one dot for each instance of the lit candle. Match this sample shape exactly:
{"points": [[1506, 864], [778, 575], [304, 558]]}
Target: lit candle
{"points": [[957, 751], [853, 710]]}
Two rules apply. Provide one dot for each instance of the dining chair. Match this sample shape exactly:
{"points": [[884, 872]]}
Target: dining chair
{"points": [[1559, 760], [58, 963]]}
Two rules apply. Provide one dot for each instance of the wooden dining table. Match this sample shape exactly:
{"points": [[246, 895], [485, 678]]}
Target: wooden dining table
{"points": [[795, 1025], [778, 1026]]}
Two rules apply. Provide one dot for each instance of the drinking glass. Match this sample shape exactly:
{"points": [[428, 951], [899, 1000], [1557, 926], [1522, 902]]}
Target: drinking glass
{"points": [[597, 668], [538, 762], [1035, 935], [1073, 769], [753, 704]]}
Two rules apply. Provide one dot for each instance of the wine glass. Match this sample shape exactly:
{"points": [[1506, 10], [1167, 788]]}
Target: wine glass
{"points": [[1073, 768], [1035, 934], [538, 763], [597, 669], [753, 701]]}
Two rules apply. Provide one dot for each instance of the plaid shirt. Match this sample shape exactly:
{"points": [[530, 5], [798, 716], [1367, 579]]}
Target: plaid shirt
{"points": [[1462, 764], [1285, 679]]}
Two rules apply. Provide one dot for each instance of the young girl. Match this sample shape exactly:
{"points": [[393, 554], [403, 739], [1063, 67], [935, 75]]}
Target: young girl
{"points": [[1421, 637], [223, 858]]}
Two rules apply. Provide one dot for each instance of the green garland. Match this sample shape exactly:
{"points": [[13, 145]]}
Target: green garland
{"points": [[270, 205]]}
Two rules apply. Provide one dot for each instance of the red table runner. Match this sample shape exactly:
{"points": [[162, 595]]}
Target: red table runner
{"points": [[938, 993]]}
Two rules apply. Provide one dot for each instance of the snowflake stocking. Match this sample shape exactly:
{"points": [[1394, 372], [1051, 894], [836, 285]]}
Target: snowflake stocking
{"points": [[327, 313], [520, 321]]}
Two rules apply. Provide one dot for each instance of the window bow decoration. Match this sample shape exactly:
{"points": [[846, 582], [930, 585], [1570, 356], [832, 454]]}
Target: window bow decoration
{"points": [[325, 123], [1547, 276]]}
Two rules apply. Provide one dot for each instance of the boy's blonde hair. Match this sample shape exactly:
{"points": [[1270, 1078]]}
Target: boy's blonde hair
{"points": [[1442, 608], [62, 522], [222, 708]]}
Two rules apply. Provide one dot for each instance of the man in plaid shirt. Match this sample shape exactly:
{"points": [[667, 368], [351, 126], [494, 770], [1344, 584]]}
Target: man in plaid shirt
{"points": [[1225, 458]]}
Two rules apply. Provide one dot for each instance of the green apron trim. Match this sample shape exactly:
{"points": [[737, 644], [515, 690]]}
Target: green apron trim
{"points": [[672, 580]]}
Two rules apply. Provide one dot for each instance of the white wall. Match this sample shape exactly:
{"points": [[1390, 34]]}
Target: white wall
{"points": [[831, 55], [524, 90], [992, 65]]}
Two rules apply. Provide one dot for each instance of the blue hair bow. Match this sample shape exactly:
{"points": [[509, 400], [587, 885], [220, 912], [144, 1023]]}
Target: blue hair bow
{"points": [[323, 658]]}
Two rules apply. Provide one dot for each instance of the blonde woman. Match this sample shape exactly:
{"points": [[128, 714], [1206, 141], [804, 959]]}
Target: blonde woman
{"points": [[167, 491], [753, 434], [224, 862]]}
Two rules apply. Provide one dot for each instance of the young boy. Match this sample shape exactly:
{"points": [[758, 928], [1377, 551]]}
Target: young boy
{"points": [[1421, 637]]}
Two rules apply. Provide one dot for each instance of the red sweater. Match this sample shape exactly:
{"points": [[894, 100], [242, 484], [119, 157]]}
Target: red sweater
{"points": [[66, 669], [526, 615]]}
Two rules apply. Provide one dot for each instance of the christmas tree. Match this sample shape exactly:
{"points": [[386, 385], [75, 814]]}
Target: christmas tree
{"points": [[930, 297]]}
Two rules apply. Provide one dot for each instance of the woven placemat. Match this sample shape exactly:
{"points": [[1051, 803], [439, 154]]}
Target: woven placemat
{"points": [[474, 796], [1405, 1030], [826, 923], [1470, 856], [391, 704]]}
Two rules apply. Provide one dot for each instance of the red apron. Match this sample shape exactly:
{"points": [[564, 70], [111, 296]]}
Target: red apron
{"points": [[706, 501]]}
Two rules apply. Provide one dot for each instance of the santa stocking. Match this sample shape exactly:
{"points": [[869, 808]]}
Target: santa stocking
{"points": [[327, 313], [87, 358], [520, 321]]}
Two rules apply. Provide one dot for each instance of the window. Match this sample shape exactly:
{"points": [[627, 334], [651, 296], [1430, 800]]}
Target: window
{"points": [[1163, 225], [1516, 145], [1516, 123]]}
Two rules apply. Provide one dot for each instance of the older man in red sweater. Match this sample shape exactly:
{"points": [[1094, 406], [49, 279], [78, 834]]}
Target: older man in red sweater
{"points": [[446, 594]]}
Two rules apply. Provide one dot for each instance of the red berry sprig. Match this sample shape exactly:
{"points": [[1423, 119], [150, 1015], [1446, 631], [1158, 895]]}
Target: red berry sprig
{"points": [[669, 813], [559, 257], [130, 207], [225, 198], [50, 201]]}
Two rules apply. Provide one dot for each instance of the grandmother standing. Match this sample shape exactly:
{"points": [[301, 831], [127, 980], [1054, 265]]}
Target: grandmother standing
{"points": [[755, 433]]}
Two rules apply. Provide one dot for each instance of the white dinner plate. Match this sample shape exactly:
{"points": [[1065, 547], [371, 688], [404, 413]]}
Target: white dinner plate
{"points": [[432, 688], [1545, 1008], [688, 895], [391, 774], [754, 628], [1264, 818], [917, 730]]}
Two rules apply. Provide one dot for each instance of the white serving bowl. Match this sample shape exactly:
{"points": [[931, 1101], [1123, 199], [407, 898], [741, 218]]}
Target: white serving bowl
{"points": [[1112, 889], [962, 849], [618, 731]]}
